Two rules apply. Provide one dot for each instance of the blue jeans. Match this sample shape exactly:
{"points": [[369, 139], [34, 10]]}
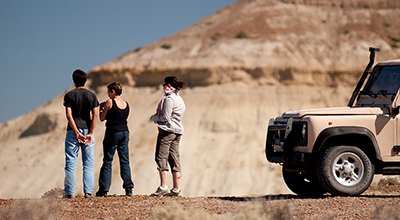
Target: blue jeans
{"points": [[71, 155], [115, 141]]}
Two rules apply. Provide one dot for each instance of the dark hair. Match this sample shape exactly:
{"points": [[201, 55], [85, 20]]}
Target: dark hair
{"points": [[116, 86], [173, 81], [79, 77]]}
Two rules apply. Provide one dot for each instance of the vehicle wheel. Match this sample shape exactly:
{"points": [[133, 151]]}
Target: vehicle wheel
{"points": [[345, 171], [303, 184]]}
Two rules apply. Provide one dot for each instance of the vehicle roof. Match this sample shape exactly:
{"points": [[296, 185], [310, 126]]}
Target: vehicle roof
{"points": [[390, 62]]}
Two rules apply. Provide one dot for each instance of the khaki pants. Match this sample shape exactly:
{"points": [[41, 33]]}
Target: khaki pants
{"points": [[167, 151]]}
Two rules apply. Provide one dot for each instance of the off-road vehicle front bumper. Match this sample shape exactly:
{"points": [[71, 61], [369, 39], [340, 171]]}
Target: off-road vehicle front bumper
{"points": [[282, 137]]}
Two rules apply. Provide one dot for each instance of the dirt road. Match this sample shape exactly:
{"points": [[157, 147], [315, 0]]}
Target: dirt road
{"points": [[375, 203]]}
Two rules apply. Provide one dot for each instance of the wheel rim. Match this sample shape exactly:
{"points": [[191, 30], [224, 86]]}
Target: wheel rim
{"points": [[348, 169]]}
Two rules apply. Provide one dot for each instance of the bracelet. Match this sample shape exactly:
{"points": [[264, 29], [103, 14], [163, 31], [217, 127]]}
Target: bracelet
{"points": [[78, 132]]}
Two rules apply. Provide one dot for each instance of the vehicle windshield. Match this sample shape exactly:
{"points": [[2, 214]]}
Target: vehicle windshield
{"points": [[384, 80]]}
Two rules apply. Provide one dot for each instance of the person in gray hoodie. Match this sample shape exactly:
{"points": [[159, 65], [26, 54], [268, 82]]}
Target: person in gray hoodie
{"points": [[168, 118]]}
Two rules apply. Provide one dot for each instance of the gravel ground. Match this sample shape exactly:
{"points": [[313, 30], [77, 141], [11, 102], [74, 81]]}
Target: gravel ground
{"points": [[376, 203]]}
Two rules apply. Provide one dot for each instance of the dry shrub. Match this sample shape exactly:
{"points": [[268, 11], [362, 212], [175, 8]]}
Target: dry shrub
{"points": [[175, 211], [262, 211], [216, 36], [55, 193], [30, 209], [387, 213], [251, 212], [241, 35], [388, 181]]}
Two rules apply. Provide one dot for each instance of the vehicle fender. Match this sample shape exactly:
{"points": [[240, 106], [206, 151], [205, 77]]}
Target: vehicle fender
{"points": [[343, 131]]}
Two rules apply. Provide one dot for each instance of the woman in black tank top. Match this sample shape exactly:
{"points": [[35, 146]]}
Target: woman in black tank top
{"points": [[116, 118], [115, 110]]}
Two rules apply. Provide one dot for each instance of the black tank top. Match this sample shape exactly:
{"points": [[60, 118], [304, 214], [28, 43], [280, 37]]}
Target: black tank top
{"points": [[116, 118]]}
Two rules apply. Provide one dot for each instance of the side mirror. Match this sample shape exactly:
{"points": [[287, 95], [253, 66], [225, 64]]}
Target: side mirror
{"points": [[395, 111], [396, 102]]}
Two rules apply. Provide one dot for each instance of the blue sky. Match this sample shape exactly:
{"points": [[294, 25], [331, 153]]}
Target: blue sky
{"points": [[42, 42]]}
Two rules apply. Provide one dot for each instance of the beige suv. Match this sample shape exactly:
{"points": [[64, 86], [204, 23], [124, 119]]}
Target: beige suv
{"points": [[338, 150]]}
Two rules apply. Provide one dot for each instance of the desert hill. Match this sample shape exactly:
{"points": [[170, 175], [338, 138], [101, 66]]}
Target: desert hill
{"points": [[267, 41], [244, 64]]}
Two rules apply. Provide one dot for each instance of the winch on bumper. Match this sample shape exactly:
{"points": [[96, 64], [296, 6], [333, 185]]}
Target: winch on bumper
{"points": [[282, 137]]}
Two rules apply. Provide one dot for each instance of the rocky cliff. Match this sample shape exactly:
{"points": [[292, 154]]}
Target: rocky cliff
{"points": [[244, 64]]}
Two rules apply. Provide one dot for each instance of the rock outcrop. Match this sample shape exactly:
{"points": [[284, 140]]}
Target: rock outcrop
{"points": [[44, 123]]}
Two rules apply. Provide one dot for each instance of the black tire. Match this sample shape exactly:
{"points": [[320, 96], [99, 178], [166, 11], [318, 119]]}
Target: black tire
{"points": [[303, 184], [345, 171]]}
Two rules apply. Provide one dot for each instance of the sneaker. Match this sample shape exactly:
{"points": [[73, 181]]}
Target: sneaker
{"points": [[128, 191], [66, 196], [101, 194], [174, 192], [160, 192], [88, 195]]}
